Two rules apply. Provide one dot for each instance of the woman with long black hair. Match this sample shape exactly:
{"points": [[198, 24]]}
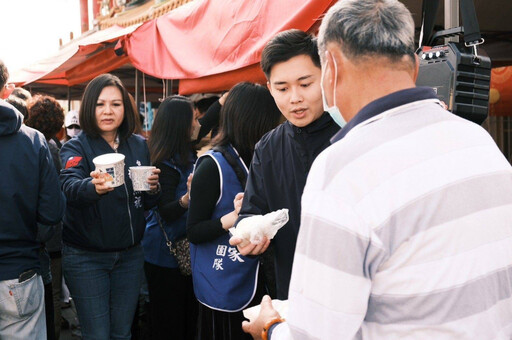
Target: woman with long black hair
{"points": [[173, 307], [225, 282]]}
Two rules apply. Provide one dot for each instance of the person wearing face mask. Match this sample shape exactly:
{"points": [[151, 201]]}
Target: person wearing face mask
{"points": [[283, 157], [406, 218], [72, 124]]}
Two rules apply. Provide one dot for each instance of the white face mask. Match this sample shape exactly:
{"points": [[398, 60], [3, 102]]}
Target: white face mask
{"points": [[333, 111], [195, 132], [73, 132]]}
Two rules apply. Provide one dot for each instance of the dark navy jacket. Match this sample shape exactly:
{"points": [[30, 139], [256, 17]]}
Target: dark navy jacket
{"points": [[29, 193], [279, 168], [109, 222]]}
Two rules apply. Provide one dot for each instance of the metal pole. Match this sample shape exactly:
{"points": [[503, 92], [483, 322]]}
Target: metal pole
{"points": [[451, 17], [69, 98], [137, 90]]}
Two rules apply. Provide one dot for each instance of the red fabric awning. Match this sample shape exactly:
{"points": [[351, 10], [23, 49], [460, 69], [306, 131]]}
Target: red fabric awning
{"points": [[205, 38], [80, 61]]}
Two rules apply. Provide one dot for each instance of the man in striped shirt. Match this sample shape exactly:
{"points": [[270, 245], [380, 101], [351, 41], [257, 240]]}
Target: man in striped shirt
{"points": [[406, 228]]}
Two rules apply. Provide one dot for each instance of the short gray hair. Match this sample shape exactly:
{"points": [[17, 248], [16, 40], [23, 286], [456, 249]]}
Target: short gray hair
{"points": [[368, 28]]}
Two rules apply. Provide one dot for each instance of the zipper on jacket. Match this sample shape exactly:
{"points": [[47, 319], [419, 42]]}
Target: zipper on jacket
{"points": [[129, 212], [128, 204]]}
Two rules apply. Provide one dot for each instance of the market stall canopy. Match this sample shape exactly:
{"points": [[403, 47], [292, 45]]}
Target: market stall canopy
{"points": [[77, 62], [205, 38], [211, 45]]}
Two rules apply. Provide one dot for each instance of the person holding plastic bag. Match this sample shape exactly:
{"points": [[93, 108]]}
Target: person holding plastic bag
{"points": [[225, 282]]}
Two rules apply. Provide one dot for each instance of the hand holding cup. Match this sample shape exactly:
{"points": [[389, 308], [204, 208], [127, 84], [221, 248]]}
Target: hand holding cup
{"points": [[100, 184], [153, 180]]}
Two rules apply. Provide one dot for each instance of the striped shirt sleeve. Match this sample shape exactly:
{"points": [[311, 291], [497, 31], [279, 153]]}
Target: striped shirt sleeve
{"points": [[335, 258]]}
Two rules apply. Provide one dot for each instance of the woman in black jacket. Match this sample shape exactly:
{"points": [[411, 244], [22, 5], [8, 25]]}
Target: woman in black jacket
{"points": [[103, 225]]}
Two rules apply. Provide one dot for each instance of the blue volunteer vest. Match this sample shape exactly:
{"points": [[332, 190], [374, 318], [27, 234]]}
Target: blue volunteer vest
{"points": [[223, 279], [156, 250]]}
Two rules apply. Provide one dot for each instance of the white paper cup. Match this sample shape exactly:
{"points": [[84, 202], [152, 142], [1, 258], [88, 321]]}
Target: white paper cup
{"points": [[139, 176], [111, 164]]}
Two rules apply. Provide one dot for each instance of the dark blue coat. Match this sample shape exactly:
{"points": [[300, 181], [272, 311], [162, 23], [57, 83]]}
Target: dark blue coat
{"points": [[29, 193], [109, 222], [279, 168]]}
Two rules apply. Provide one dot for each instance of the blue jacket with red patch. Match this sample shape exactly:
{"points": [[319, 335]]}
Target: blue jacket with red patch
{"points": [[29, 193], [110, 222]]}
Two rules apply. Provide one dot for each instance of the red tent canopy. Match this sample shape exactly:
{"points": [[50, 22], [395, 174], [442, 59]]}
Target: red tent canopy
{"points": [[80, 61], [205, 38]]}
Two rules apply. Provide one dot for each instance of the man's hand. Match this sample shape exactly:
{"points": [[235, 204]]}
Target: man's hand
{"points": [[250, 249], [237, 202], [267, 314]]}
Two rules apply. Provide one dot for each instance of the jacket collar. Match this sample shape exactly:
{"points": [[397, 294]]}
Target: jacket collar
{"points": [[317, 125], [384, 104]]}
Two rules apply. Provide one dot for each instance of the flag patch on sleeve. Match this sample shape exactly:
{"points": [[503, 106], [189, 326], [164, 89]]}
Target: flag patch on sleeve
{"points": [[73, 161]]}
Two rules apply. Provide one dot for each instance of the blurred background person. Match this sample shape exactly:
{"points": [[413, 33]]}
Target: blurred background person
{"points": [[203, 101], [47, 116], [103, 226], [19, 99], [224, 281], [20, 104], [72, 125], [207, 111], [6, 88], [21, 93]]}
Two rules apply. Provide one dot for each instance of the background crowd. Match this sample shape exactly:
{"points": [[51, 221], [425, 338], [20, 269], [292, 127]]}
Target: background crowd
{"points": [[399, 211]]}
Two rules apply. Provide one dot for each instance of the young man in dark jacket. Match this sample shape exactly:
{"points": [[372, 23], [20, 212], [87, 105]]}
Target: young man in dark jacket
{"points": [[283, 156], [29, 194]]}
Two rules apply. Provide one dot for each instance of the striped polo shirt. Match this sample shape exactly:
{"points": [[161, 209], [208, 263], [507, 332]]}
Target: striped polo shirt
{"points": [[406, 230]]}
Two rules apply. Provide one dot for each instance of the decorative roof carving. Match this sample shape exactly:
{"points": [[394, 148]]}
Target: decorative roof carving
{"points": [[145, 12]]}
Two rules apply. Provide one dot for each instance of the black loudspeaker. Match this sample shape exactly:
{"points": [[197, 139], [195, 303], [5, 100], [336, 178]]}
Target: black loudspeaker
{"points": [[460, 79]]}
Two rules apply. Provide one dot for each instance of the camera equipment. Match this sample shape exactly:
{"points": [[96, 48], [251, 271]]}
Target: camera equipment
{"points": [[459, 75]]}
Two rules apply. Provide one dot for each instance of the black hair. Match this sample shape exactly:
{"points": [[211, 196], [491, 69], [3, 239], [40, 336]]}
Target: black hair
{"points": [[4, 75], [20, 104], [248, 113], [286, 45], [171, 131], [87, 114], [21, 93], [203, 104]]}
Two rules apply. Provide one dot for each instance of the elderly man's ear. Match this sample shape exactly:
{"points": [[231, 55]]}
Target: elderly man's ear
{"points": [[332, 56]]}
